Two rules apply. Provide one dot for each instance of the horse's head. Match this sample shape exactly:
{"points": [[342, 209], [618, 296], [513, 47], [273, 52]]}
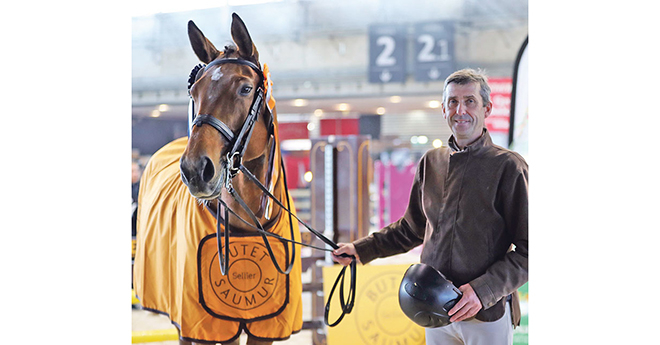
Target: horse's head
{"points": [[223, 94]]}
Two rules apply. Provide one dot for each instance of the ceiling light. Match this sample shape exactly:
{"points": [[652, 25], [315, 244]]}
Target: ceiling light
{"points": [[300, 102], [318, 112], [434, 104], [380, 111], [416, 114], [164, 107], [155, 113], [437, 143], [395, 99], [343, 107], [311, 126], [414, 139], [422, 139], [308, 176]]}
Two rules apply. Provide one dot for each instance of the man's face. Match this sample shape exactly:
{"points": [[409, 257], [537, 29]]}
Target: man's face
{"points": [[465, 112]]}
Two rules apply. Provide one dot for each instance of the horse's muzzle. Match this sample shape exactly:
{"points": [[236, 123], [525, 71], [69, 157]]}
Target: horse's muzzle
{"points": [[201, 177]]}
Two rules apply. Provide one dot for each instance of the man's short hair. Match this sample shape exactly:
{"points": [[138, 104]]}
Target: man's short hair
{"points": [[466, 76]]}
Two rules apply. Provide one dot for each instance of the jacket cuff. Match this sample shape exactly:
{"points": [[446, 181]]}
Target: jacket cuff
{"points": [[483, 291], [365, 249]]}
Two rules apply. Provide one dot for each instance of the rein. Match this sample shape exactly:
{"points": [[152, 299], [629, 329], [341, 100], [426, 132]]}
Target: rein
{"points": [[235, 164]]}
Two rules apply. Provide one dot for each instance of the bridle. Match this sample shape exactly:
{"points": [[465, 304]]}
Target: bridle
{"points": [[238, 143]]}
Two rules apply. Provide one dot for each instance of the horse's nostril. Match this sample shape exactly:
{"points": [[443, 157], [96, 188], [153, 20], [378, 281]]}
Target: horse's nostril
{"points": [[185, 171], [184, 178], [208, 171]]}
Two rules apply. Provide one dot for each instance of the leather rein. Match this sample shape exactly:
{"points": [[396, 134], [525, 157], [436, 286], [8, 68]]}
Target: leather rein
{"points": [[234, 165]]}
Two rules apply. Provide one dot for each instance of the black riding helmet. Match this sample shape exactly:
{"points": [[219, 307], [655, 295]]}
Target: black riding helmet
{"points": [[426, 296]]}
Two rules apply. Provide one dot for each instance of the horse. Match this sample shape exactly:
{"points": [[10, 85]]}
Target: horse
{"points": [[226, 177]]}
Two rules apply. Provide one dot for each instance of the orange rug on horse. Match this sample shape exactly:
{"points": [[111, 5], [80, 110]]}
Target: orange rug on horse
{"points": [[177, 271]]}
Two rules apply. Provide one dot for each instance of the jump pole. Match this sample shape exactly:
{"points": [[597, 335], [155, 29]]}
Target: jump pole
{"points": [[154, 335]]}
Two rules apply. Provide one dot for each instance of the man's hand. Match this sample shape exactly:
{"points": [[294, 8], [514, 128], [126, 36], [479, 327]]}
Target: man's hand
{"points": [[467, 307], [344, 248]]}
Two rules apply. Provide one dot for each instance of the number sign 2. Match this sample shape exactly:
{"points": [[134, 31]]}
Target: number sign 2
{"points": [[387, 53]]}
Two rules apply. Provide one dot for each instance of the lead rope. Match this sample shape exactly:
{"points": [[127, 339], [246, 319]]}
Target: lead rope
{"points": [[346, 306], [254, 218], [224, 262]]}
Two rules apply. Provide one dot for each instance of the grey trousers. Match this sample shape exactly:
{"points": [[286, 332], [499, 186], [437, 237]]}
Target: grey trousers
{"points": [[474, 332]]}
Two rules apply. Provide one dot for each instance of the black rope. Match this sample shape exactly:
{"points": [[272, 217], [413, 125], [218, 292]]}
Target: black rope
{"points": [[240, 201], [224, 261], [346, 306], [265, 232], [270, 195]]}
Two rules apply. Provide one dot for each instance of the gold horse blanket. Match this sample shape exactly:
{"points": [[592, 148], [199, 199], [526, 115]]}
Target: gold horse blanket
{"points": [[177, 273]]}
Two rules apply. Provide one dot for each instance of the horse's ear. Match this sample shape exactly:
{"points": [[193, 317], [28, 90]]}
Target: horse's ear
{"points": [[243, 40], [204, 49]]}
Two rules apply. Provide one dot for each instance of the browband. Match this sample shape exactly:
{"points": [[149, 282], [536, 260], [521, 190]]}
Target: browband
{"points": [[238, 61], [215, 123]]}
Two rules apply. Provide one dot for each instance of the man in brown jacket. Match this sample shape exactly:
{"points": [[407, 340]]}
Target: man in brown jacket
{"points": [[468, 206]]}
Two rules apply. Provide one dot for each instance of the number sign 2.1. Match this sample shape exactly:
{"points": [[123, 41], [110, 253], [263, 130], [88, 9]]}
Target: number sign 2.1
{"points": [[434, 50], [387, 53]]}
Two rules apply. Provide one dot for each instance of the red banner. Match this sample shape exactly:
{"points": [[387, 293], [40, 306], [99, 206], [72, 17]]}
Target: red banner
{"points": [[340, 127], [500, 95], [293, 130]]}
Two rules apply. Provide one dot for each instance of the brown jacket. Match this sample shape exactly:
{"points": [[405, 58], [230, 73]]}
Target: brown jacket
{"points": [[468, 207]]}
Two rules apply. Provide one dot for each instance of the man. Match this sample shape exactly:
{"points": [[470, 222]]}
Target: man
{"points": [[468, 206]]}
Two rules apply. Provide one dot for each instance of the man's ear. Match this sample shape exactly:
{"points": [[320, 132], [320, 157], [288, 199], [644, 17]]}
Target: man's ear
{"points": [[444, 113], [489, 108]]}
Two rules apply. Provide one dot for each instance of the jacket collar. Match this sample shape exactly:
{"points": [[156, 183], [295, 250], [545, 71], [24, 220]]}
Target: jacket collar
{"points": [[483, 141]]}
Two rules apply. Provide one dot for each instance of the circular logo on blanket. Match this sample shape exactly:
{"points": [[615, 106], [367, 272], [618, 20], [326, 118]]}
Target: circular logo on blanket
{"points": [[379, 317], [250, 280]]}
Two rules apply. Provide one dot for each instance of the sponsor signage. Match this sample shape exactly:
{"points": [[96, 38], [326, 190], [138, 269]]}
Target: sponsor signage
{"points": [[500, 95], [376, 317], [251, 284]]}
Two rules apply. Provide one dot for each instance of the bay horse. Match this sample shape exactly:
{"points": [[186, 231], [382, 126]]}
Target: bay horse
{"points": [[196, 190]]}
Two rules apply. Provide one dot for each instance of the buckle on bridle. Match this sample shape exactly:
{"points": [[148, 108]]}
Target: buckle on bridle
{"points": [[233, 164]]}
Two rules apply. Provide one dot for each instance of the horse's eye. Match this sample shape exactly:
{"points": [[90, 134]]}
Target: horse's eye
{"points": [[245, 90]]}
